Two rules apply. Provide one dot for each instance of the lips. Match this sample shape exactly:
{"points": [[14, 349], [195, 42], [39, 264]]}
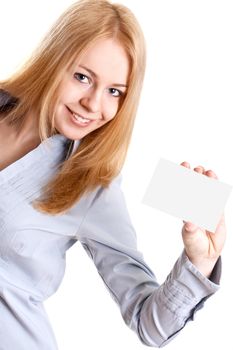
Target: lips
{"points": [[78, 114], [78, 119]]}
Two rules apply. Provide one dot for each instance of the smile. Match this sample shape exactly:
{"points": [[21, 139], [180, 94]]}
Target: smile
{"points": [[79, 120]]}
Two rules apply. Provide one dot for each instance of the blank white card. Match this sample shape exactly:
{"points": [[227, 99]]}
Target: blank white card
{"points": [[186, 194]]}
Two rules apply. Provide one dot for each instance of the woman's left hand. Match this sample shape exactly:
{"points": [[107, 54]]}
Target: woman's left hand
{"points": [[203, 247]]}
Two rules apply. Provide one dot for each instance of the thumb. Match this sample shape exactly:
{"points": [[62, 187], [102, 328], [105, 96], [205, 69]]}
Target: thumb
{"points": [[189, 226]]}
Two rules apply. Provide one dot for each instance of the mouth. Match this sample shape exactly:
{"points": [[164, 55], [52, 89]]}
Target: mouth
{"points": [[80, 120]]}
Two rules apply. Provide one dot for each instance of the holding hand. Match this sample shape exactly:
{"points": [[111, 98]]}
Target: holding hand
{"points": [[203, 247]]}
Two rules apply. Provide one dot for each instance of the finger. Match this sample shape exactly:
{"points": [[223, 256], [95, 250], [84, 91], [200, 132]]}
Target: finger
{"points": [[190, 227], [221, 224], [199, 169], [185, 164], [210, 173]]}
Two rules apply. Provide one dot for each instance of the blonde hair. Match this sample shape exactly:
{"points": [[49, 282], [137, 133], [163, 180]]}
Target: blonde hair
{"points": [[101, 154]]}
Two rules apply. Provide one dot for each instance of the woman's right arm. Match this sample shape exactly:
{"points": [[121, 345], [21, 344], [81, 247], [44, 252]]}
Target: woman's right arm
{"points": [[155, 312]]}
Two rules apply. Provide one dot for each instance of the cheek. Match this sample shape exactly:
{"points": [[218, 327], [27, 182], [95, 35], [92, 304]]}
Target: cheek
{"points": [[110, 109], [68, 92]]}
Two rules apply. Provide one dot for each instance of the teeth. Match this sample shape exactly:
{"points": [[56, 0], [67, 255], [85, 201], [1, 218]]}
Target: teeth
{"points": [[81, 119]]}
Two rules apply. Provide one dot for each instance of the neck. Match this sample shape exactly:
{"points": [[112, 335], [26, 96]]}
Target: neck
{"points": [[25, 131]]}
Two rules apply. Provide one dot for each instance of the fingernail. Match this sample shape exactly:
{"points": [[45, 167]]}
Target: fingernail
{"points": [[190, 227]]}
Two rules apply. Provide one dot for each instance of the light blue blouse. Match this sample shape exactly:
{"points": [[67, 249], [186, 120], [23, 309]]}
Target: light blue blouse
{"points": [[33, 251]]}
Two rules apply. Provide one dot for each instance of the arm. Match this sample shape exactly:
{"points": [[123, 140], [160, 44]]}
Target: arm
{"points": [[155, 312]]}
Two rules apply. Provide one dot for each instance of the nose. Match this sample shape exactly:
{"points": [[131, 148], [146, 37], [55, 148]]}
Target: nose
{"points": [[92, 101]]}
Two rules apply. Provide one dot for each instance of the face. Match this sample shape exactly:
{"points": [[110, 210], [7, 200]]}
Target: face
{"points": [[92, 91]]}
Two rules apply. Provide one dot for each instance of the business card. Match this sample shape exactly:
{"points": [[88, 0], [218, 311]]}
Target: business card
{"points": [[186, 194]]}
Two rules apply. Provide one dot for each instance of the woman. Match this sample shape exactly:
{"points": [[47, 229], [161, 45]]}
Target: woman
{"points": [[66, 122]]}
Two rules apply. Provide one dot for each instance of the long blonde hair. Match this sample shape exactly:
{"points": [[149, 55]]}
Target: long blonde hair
{"points": [[101, 154]]}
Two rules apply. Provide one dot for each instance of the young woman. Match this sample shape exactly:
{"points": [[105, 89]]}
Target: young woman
{"points": [[66, 122]]}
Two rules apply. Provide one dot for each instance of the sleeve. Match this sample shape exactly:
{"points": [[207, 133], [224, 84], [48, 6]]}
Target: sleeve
{"points": [[156, 313]]}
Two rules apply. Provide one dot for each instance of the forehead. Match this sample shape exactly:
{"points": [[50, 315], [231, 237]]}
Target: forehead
{"points": [[107, 58]]}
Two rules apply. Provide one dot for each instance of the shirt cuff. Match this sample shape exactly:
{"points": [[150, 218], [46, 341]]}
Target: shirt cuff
{"points": [[186, 288]]}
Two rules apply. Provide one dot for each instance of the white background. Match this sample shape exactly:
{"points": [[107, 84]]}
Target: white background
{"points": [[185, 113]]}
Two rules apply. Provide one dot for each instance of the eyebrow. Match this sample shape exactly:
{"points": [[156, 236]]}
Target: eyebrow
{"points": [[96, 76]]}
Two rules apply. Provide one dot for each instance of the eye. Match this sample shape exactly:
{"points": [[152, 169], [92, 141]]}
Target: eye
{"points": [[81, 77], [115, 92]]}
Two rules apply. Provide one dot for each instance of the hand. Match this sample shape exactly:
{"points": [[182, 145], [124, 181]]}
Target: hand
{"points": [[203, 247]]}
